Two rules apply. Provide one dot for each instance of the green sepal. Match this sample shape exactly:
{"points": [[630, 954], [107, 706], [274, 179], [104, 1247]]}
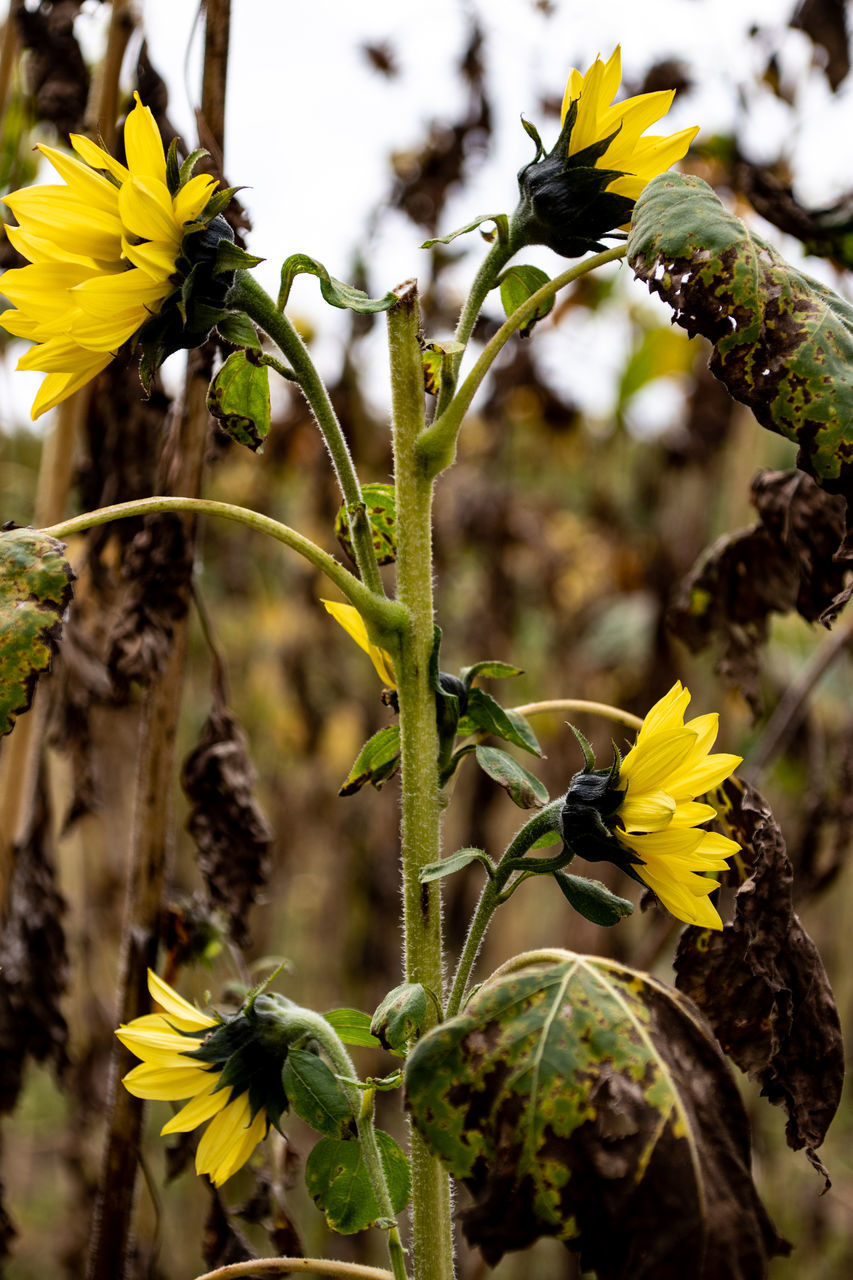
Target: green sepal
{"points": [[592, 899], [490, 668], [400, 1017], [173, 171], [377, 761], [352, 1026], [219, 201], [339, 1184], [239, 399], [35, 591], [230, 257], [447, 866], [523, 788], [315, 1095], [586, 748], [335, 292], [188, 166], [532, 132], [484, 714], [500, 220], [236, 328], [517, 284], [380, 502]]}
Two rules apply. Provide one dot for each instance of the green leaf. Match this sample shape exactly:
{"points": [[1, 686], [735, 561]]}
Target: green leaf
{"points": [[592, 899], [380, 502], [35, 591], [236, 328], [499, 219], [517, 284], [230, 257], [523, 788], [338, 1182], [580, 1099], [334, 291], [315, 1095], [352, 1027], [485, 715], [783, 342], [493, 670], [239, 398], [401, 1015], [446, 867], [377, 761]]}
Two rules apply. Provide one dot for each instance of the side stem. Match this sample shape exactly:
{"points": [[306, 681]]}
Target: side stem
{"points": [[420, 818]]}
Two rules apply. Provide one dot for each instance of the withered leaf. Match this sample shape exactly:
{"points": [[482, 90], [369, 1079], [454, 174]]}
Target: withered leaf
{"points": [[825, 21], [792, 560], [761, 982], [222, 1242], [33, 964], [232, 835], [580, 1099]]}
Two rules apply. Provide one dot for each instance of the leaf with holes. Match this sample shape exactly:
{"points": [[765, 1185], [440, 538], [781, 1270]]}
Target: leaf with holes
{"points": [[239, 399], [35, 591], [380, 505], [580, 1099], [783, 342], [377, 761], [337, 1180]]}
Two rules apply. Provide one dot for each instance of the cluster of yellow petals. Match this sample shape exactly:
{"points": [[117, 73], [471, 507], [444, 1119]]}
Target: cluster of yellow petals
{"points": [[162, 1042], [102, 248], [637, 158], [661, 821]]}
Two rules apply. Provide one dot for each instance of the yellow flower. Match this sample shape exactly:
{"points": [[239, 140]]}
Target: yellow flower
{"points": [[659, 818], [638, 159], [353, 623], [165, 1043], [103, 248]]}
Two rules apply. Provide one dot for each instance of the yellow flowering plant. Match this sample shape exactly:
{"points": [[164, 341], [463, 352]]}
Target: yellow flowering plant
{"points": [[568, 1093]]}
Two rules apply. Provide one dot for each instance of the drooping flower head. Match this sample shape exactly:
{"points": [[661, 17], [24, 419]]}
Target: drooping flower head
{"points": [[105, 249], [229, 1067], [643, 814], [585, 188]]}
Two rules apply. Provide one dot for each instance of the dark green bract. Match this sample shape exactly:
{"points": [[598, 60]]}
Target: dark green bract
{"points": [[580, 1099], [783, 342], [35, 591]]}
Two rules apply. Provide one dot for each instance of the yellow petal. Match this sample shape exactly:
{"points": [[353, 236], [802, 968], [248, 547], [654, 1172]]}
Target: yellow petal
{"points": [[155, 257], [353, 623], [143, 145], [183, 1014], [649, 764], [192, 198], [201, 1108], [166, 1084], [650, 811], [83, 181], [229, 1140], [97, 157], [146, 210], [59, 386]]}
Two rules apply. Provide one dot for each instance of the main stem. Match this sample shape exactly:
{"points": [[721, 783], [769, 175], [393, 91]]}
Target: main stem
{"points": [[432, 1245]]}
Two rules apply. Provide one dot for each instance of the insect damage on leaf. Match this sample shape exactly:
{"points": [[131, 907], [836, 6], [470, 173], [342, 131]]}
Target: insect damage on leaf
{"points": [[761, 982], [783, 342], [577, 1098]]}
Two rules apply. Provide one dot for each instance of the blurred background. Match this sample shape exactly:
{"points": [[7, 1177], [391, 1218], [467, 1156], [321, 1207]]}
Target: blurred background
{"points": [[600, 460]]}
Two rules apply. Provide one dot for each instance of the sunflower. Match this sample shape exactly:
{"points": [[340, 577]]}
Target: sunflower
{"points": [[103, 247], [643, 814], [586, 187], [353, 623], [184, 1054]]}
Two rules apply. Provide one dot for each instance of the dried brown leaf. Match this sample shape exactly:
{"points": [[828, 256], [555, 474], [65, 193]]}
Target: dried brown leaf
{"points": [[761, 982]]}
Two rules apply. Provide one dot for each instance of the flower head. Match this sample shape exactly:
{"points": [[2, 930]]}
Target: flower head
{"points": [[354, 625], [586, 187], [643, 814], [103, 248], [228, 1067]]}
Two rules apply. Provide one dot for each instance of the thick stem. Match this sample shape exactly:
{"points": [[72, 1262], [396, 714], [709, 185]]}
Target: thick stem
{"points": [[247, 295], [437, 445], [383, 616], [432, 1228], [297, 1266]]}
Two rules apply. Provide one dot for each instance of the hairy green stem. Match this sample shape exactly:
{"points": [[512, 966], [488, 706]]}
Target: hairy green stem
{"points": [[247, 295], [384, 617], [297, 1266], [572, 705], [420, 808], [484, 281], [305, 1022], [490, 899], [437, 445]]}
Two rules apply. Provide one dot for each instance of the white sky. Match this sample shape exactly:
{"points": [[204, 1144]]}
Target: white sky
{"points": [[310, 124]]}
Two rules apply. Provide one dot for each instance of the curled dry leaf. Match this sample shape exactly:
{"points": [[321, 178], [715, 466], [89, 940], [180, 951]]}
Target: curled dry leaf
{"points": [[793, 560], [761, 982], [226, 822], [580, 1099]]}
